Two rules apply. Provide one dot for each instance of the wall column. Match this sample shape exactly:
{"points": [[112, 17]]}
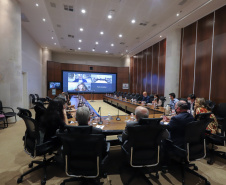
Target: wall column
{"points": [[46, 55], [11, 82], [172, 69]]}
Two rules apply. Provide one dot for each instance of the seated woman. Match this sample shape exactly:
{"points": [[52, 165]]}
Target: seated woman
{"points": [[54, 118], [157, 100], [200, 107]]}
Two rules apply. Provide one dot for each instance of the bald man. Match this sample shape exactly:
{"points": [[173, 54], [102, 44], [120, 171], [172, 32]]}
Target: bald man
{"points": [[140, 112], [145, 98]]}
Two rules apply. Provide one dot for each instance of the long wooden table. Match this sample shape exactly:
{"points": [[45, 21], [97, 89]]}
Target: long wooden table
{"points": [[112, 127], [127, 105]]}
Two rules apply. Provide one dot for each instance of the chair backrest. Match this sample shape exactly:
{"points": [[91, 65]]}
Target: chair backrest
{"points": [[203, 116], [1, 106], [79, 129], [144, 141], [23, 112], [33, 99], [163, 99], [211, 104], [151, 98], [83, 153], [150, 121], [37, 96], [40, 111], [221, 110], [195, 140]]}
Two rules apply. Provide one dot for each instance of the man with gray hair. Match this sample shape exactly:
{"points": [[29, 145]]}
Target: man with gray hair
{"points": [[140, 112]]}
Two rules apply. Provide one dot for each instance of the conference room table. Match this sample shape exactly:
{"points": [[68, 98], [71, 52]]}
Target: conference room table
{"points": [[127, 105]]}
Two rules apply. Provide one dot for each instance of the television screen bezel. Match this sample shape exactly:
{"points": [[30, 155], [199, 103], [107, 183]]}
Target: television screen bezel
{"points": [[90, 92]]}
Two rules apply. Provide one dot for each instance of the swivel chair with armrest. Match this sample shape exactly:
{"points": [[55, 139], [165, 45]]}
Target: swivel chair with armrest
{"points": [[163, 99], [85, 156], [7, 114], [34, 147], [194, 148], [24, 112], [221, 111], [40, 111], [142, 149]]}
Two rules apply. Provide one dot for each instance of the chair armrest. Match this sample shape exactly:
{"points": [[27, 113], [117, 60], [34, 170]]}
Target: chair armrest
{"points": [[119, 138], [105, 158], [108, 147], [176, 148], [8, 108], [217, 136]]}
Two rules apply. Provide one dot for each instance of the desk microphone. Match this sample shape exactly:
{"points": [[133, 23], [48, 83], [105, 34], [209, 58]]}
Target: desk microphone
{"points": [[118, 118], [100, 122]]}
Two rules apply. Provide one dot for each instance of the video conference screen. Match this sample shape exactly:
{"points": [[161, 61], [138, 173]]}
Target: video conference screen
{"points": [[54, 85], [88, 82]]}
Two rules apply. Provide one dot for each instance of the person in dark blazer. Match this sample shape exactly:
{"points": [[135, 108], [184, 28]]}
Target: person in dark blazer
{"points": [[177, 123], [191, 102], [145, 98], [140, 112]]}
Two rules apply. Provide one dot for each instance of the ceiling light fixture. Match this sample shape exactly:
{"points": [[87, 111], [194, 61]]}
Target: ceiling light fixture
{"points": [[120, 35], [133, 21], [112, 45], [44, 20], [109, 16], [178, 14], [93, 49], [79, 48], [83, 11], [106, 51], [96, 43], [81, 29], [54, 43], [80, 40], [101, 32], [126, 50], [160, 36], [52, 37], [36, 4]]}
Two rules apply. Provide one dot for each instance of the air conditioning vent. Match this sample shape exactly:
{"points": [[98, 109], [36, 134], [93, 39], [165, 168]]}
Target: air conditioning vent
{"points": [[143, 23], [122, 43], [71, 36], [69, 8], [53, 5]]}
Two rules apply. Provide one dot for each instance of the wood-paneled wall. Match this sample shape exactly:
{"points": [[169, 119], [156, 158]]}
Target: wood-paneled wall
{"points": [[203, 58], [147, 70], [54, 73]]}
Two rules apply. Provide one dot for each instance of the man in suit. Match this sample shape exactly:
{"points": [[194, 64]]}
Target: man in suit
{"points": [[173, 100], [177, 123], [191, 102], [140, 112], [145, 98]]}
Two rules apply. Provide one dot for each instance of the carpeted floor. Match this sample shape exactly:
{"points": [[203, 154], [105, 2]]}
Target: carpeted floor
{"points": [[14, 161]]}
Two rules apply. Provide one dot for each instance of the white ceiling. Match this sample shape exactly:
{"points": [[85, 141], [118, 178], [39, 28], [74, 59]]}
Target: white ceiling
{"points": [[160, 16]]}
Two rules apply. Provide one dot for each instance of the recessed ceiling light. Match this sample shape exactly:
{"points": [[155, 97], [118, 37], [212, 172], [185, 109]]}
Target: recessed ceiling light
{"points": [[54, 43], [133, 21], [101, 32], [83, 11], [80, 40], [126, 50], [79, 48], [112, 44], [96, 43], [52, 37], [109, 16], [81, 29], [120, 35], [160, 36], [93, 49], [106, 51], [36, 4], [178, 14], [44, 20]]}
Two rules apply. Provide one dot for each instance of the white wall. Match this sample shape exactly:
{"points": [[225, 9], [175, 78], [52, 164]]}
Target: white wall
{"points": [[32, 63], [87, 59]]}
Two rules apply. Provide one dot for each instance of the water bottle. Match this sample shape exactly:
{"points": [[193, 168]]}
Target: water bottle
{"points": [[132, 117], [125, 99], [109, 117]]}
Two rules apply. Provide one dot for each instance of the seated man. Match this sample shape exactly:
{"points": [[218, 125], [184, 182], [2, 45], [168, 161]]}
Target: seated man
{"points": [[173, 100], [140, 112], [145, 98], [177, 123], [191, 102]]}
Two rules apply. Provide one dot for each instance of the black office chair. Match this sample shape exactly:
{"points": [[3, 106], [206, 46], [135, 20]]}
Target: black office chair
{"points": [[24, 112], [142, 149], [151, 98], [34, 147], [85, 156], [182, 99], [217, 139], [40, 111], [7, 114], [39, 99], [163, 99], [211, 105], [194, 148], [221, 111], [203, 116], [150, 121]]}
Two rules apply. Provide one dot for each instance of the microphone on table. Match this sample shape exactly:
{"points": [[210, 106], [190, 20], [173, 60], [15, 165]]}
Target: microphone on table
{"points": [[100, 122], [118, 118]]}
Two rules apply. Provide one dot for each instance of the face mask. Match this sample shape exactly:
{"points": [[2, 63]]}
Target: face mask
{"points": [[155, 98], [169, 98], [189, 101]]}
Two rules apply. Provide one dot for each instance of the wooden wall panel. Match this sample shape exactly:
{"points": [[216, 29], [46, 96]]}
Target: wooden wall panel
{"points": [[143, 71], [188, 60], [162, 59], [203, 56], [139, 82], [122, 77], [149, 69], [218, 87], [155, 68], [50, 72], [135, 75], [131, 74]]}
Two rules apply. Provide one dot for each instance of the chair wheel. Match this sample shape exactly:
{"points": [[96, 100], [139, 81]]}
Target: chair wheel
{"points": [[195, 168], [207, 183], [43, 182], [62, 183], [209, 162], [30, 165], [19, 180], [157, 175]]}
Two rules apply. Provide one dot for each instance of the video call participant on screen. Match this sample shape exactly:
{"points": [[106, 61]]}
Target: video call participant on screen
{"points": [[140, 112], [191, 102], [173, 100], [81, 87], [80, 79], [145, 98]]}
